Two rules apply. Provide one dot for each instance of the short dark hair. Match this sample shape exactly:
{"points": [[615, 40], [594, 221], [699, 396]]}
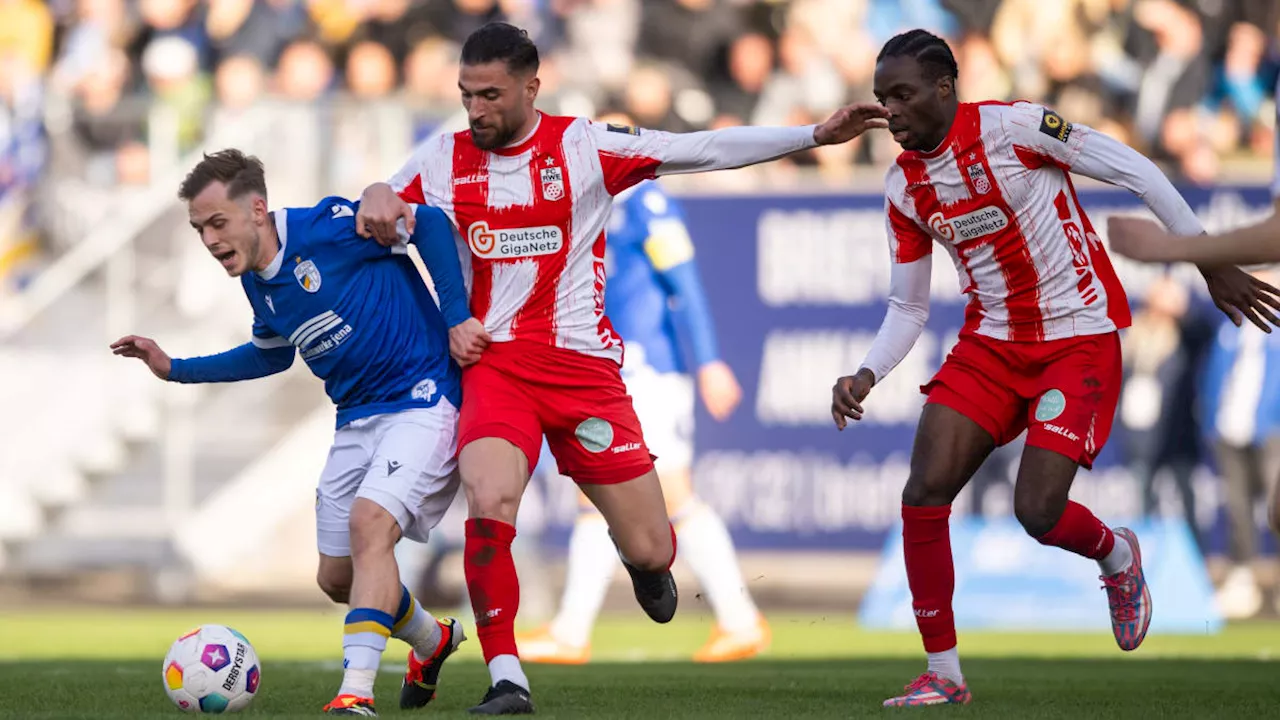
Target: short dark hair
{"points": [[501, 42], [241, 173], [931, 51]]}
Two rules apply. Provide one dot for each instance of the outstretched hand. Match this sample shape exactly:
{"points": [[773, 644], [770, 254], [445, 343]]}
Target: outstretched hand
{"points": [[146, 350], [849, 122], [1242, 296]]}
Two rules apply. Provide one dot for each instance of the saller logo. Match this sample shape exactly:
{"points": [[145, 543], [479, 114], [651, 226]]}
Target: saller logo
{"points": [[514, 242], [971, 225]]}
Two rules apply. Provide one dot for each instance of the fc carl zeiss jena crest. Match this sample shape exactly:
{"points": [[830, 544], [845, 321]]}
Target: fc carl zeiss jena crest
{"points": [[308, 276]]}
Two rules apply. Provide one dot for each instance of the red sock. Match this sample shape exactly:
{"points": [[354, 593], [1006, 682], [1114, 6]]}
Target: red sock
{"points": [[926, 546], [1079, 531], [493, 585]]}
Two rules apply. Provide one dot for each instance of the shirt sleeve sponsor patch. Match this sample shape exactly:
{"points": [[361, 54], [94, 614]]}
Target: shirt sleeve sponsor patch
{"points": [[1054, 126], [624, 129]]}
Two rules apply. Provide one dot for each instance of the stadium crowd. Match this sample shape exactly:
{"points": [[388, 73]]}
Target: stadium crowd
{"points": [[1189, 82]]}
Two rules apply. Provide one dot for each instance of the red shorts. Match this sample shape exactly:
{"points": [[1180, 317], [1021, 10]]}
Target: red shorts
{"points": [[1062, 392], [521, 390]]}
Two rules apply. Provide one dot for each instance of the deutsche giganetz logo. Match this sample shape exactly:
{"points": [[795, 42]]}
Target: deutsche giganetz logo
{"points": [[481, 239], [1051, 405], [596, 435]]}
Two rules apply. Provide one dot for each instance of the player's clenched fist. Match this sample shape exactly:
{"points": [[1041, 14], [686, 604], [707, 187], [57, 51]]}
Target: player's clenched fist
{"points": [[467, 340], [380, 210], [849, 122], [848, 394], [147, 350]]}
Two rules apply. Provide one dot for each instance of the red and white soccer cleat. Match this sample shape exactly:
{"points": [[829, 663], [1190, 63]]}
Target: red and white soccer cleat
{"points": [[1129, 597], [930, 689]]}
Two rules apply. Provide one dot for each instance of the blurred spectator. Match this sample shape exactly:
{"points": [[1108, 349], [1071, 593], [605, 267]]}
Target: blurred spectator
{"points": [[305, 71], [1242, 415], [371, 71], [26, 33], [171, 66]]}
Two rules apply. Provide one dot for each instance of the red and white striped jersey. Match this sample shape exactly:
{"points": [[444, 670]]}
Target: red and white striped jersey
{"points": [[534, 214], [997, 196]]}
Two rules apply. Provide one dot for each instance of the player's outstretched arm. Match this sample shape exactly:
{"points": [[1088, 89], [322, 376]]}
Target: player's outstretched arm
{"points": [[903, 323], [245, 362], [1144, 240], [1093, 154], [629, 155], [434, 236]]}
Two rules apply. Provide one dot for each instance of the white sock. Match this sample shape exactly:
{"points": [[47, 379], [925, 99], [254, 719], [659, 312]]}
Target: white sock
{"points": [[357, 682], [706, 545], [593, 561], [1118, 559], [946, 664], [364, 637], [507, 667], [416, 626]]}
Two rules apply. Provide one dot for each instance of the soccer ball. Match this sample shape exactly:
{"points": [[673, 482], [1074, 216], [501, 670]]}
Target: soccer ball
{"points": [[211, 669]]}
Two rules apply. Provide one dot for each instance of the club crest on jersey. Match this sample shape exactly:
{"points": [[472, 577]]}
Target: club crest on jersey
{"points": [[978, 175], [1054, 126], [552, 183], [308, 276]]}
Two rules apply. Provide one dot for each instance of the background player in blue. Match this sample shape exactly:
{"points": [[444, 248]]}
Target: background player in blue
{"points": [[365, 323], [654, 288]]}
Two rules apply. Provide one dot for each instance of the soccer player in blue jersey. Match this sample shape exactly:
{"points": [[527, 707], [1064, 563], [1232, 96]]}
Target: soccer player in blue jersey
{"points": [[364, 322], [653, 287]]}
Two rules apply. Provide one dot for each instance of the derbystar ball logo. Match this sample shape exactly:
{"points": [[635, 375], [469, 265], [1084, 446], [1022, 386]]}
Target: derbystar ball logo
{"points": [[514, 242], [971, 225]]}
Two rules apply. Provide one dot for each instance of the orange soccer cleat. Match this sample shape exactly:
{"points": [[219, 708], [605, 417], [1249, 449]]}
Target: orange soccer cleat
{"points": [[728, 647], [540, 646]]}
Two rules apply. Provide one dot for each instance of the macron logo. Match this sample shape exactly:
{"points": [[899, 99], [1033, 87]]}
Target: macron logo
{"points": [[341, 211]]}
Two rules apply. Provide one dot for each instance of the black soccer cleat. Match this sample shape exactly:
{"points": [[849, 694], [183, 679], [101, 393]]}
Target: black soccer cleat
{"points": [[419, 686], [655, 590], [505, 698]]}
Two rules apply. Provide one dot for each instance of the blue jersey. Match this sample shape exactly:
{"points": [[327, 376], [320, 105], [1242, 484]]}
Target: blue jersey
{"points": [[358, 313], [653, 284]]}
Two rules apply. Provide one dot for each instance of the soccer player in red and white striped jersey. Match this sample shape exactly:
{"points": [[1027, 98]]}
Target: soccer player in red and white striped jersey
{"points": [[531, 195], [990, 184]]}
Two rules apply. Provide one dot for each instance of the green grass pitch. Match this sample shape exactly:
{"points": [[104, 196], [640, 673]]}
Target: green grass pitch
{"points": [[105, 663]]}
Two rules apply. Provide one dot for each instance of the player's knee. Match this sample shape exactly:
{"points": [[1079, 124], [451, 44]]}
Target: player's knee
{"points": [[492, 501], [1037, 515], [923, 491], [650, 551], [372, 528], [335, 583]]}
